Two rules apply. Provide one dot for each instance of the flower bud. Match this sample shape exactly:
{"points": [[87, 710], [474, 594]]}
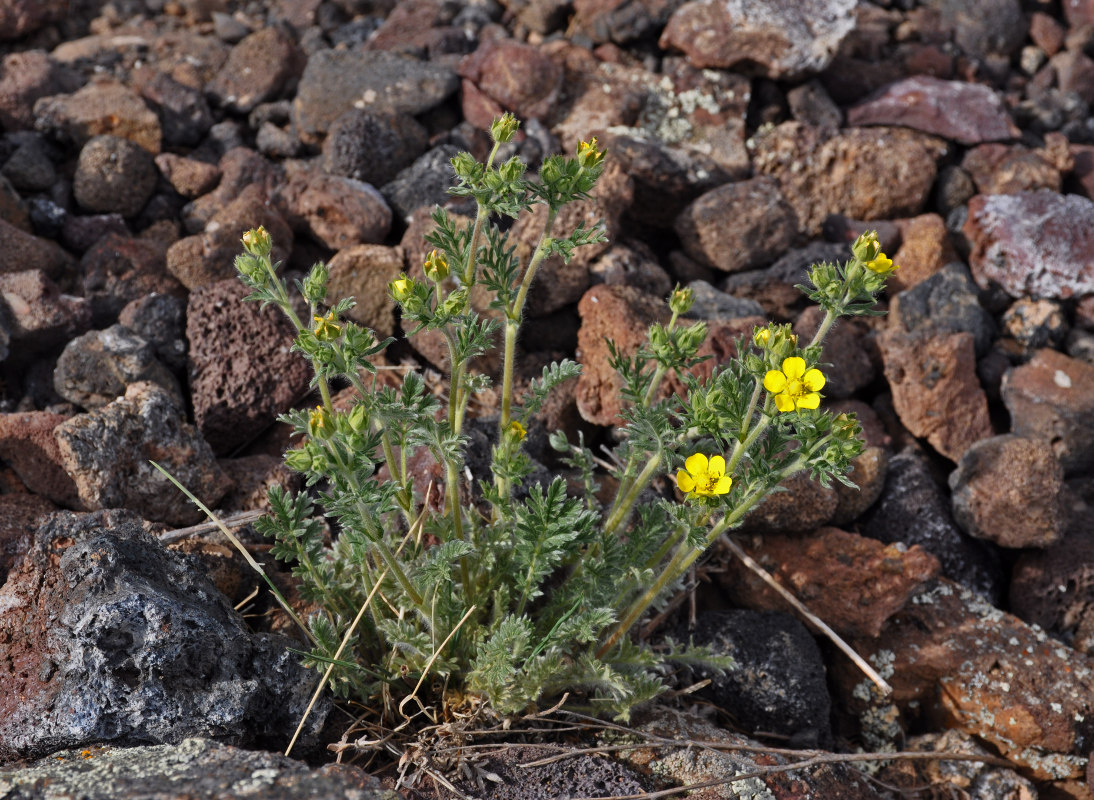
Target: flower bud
{"points": [[251, 267], [504, 128], [511, 170], [358, 418], [464, 164], [866, 247], [314, 287], [257, 242], [454, 304], [436, 266], [681, 300], [402, 289], [762, 337], [299, 460]]}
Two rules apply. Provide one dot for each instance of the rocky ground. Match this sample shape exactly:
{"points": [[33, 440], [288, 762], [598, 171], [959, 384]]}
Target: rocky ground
{"points": [[746, 140]]}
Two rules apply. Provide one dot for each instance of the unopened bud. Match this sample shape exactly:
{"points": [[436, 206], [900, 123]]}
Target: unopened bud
{"points": [[436, 266], [257, 242], [681, 300], [504, 128]]}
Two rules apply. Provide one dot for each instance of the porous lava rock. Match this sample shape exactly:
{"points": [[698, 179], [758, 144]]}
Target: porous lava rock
{"points": [[242, 374], [106, 636]]}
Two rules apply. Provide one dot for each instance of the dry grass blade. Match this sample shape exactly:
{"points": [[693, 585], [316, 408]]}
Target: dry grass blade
{"points": [[232, 521], [812, 618], [337, 655], [242, 550]]}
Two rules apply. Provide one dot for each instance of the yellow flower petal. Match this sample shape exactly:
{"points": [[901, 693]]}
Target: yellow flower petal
{"points": [[794, 367], [717, 466], [814, 380], [723, 484], [696, 465], [684, 481], [809, 401], [784, 402], [774, 381]]}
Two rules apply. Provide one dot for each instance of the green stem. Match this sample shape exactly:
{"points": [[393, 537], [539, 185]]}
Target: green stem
{"points": [[683, 560], [622, 512], [826, 325], [513, 320], [385, 552], [647, 399]]}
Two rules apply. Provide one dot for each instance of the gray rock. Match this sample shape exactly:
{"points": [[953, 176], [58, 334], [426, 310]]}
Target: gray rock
{"points": [[373, 146], [183, 111], [30, 169], [711, 303], [159, 319], [276, 142], [946, 301], [773, 286], [107, 452], [810, 103], [194, 769], [259, 68], [96, 368], [107, 636], [915, 510], [783, 40], [423, 183], [114, 175], [778, 683], [335, 81], [666, 178], [985, 28], [631, 262]]}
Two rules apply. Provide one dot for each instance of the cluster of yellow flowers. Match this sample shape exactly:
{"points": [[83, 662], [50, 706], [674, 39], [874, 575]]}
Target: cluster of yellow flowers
{"points": [[793, 386]]}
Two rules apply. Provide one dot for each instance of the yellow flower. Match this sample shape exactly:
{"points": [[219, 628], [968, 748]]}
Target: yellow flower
{"points": [[402, 289], [320, 423], [762, 337], [588, 155], [882, 264], [436, 266], [704, 477], [793, 386], [326, 329], [517, 431]]}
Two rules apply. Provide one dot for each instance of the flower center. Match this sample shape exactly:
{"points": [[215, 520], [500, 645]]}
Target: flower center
{"points": [[795, 388]]}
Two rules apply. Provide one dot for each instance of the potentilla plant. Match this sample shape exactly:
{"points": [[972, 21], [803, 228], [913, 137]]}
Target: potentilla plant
{"points": [[516, 598]]}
